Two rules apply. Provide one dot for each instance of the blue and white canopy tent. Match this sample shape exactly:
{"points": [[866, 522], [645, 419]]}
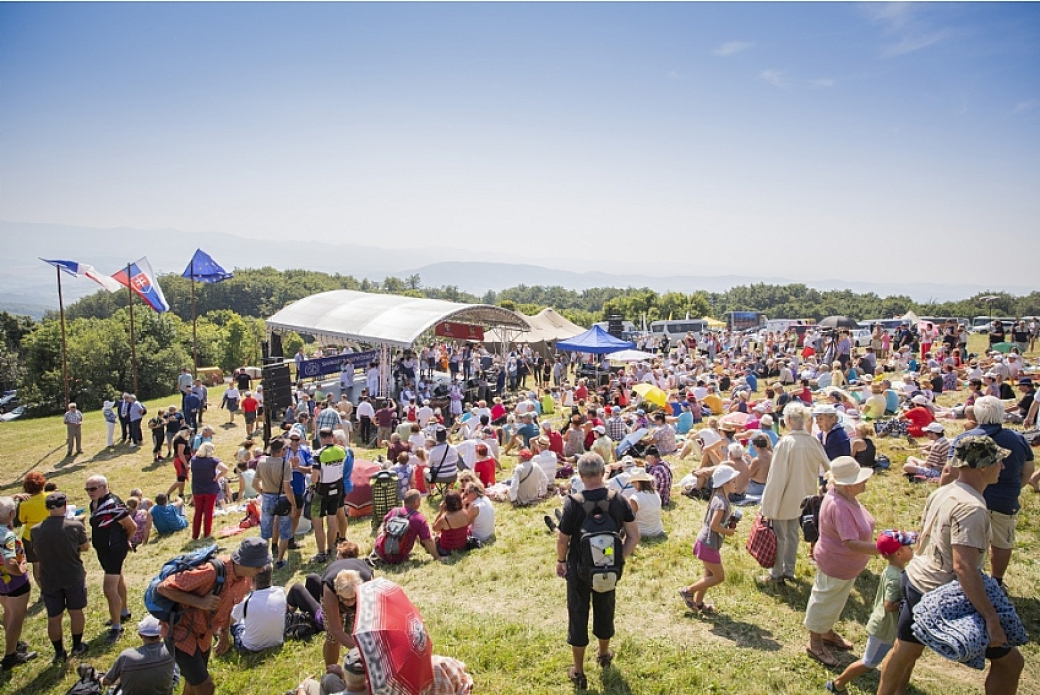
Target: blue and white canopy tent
{"points": [[595, 341]]}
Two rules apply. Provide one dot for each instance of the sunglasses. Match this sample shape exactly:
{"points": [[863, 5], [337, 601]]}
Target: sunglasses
{"points": [[90, 489]]}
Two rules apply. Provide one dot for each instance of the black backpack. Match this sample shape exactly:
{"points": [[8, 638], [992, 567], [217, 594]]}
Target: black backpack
{"points": [[89, 682], [600, 561], [810, 518]]}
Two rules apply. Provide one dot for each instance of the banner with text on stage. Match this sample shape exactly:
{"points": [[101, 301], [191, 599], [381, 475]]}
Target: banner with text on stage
{"points": [[311, 369], [459, 331]]}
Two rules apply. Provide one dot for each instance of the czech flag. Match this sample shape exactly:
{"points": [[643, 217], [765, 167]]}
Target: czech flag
{"points": [[142, 282], [83, 270]]}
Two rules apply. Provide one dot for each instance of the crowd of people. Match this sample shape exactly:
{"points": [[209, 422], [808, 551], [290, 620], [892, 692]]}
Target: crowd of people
{"points": [[770, 420]]}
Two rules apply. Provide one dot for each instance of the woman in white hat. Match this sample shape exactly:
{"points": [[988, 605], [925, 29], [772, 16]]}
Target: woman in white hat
{"points": [[845, 546], [646, 504]]}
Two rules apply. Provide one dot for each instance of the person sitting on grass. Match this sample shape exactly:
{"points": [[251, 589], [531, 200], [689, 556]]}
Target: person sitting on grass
{"points": [[897, 548], [936, 452], [146, 669], [168, 517], [451, 524], [418, 529], [258, 621]]}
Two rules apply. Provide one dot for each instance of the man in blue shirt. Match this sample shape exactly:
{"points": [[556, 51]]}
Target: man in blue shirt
{"points": [[168, 517], [1002, 496], [299, 456]]}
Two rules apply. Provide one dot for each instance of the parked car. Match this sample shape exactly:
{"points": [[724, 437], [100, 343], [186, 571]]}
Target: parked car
{"points": [[861, 337], [13, 415], [9, 401]]}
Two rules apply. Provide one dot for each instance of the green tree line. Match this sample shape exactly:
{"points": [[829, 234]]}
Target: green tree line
{"points": [[231, 327]]}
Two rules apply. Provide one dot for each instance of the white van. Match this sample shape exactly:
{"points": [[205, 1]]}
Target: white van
{"points": [[677, 329], [781, 325]]}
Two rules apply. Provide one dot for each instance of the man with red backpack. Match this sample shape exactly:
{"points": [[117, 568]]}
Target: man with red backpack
{"points": [[597, 533]]}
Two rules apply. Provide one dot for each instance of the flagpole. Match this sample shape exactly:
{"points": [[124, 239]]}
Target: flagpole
{"points": [[194, 334], [133, 339], [64, 353]]}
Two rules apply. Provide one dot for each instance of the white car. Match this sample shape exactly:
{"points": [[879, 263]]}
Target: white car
{"points": [[861, 337]]}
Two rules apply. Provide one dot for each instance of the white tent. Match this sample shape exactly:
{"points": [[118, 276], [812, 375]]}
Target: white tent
{"points": [[546, 326], [384, 319]]}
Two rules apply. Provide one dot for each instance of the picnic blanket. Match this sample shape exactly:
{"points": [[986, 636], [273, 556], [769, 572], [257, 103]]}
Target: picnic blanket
{"points": [[946, 622]]}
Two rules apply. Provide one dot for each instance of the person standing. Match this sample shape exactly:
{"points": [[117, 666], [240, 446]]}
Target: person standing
{"points": [[203, 614], [124, 418], [137, 413], [14, 589], [274, 483], [1002, 497], [330, 465], [59, 542], [580, 593], [109, 413], [955, 535], [111, 530], [144, 670], [365, 413], [206, 472], [73, 430], [798, 460]]}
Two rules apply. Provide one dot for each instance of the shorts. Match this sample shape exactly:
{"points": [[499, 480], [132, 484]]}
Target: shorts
{"points": [[1003, 526], [930, 473], [22, 590], [58, 601], [194, 667], [705, 554], [905, 628], [111, 559], [875, 651], [30, 554], [250, 417], [327, 505], [267, 505]]}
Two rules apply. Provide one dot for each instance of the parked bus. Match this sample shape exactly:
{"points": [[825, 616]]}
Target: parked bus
{"points": [[781, 325], [745, 320]]}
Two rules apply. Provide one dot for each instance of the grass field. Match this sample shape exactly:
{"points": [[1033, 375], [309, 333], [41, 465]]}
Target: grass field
{"points": [[502, 610]]}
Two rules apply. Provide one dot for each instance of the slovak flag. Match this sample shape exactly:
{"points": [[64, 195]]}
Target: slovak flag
{"points": [[142, 282], [83, 270]]}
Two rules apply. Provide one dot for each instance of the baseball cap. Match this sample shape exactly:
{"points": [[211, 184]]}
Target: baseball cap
{"points": [[600, 429], [55, 500], [525, 455], [889, 542], [935, 428], [149, 627]]}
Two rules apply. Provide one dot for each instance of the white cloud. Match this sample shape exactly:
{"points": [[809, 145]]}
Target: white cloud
{"points": [[914, 42], [732, 48], [896, 15], [822, 82], [773, 77], [1023, 106]]}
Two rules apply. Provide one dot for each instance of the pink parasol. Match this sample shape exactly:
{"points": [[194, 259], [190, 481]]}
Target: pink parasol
{"points": [[392, 639], [735, 419]]}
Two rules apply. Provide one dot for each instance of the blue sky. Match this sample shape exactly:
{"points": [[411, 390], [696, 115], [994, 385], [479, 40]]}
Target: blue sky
{"points": [[805, 140]]}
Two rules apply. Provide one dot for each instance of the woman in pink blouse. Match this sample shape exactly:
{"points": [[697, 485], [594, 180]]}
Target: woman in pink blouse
{"points": [[842, 552]]}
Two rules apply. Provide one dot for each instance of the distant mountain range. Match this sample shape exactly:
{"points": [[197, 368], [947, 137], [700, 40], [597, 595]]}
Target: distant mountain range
{"points": [[28, 286]]}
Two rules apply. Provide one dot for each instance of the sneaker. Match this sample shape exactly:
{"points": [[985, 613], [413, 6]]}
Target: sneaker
{"points": [[279, 565], [60, 658], [81, 650], [319, 558], [770, 580], [293, 545], [114, 633], [549, 523], [16, 659]]}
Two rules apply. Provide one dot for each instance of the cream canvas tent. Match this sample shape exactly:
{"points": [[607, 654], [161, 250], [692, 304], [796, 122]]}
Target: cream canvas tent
{"points": [[547, 326]]}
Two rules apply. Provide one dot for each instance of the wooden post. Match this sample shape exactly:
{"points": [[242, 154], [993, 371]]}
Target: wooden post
{"points": [[64, 354], [133, 338]]}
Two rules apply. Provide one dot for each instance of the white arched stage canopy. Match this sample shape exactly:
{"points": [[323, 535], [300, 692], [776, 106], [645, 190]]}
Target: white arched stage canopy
{"points": [[389, 320]]}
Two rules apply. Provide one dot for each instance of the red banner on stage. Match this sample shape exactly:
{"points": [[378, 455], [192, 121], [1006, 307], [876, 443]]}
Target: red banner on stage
{"points": [[459, 331]]}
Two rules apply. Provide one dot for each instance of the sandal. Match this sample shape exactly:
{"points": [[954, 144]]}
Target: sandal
{"points": [[605, 659], [824, 657], [687, 598], [706, 608], [839, 642], [578, 678], [831, 688]]}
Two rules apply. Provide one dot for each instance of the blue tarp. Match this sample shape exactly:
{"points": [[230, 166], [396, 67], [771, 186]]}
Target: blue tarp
{"points": [[595, 341], [205, 269]]}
